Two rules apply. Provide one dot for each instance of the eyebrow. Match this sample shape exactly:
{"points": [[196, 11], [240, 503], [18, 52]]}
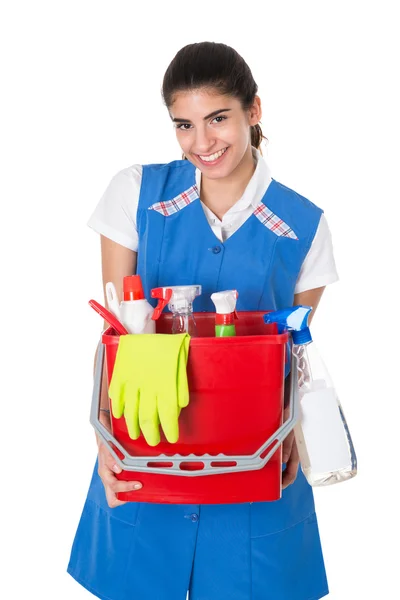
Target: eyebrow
{"points": [[213, 114]]}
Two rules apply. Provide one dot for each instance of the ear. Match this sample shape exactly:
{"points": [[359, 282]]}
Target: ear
{"points": [[255, 112]]}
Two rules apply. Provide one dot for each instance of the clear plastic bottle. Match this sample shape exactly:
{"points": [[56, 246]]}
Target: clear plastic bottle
{"points": [[180, 303], [322, 435]]}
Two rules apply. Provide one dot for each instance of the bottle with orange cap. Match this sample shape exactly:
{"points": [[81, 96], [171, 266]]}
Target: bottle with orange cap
{"points": [[134, 311]]}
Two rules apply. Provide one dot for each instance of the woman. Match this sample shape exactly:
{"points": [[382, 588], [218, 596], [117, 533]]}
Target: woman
{"points": [[219, 219]]}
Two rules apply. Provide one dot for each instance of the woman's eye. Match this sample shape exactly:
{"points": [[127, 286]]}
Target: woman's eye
{"points": [[187, 126], [220, 117]]}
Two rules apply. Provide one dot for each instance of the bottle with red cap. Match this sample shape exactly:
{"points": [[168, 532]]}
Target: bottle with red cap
{"points": [[180, 302], [135, 312]]}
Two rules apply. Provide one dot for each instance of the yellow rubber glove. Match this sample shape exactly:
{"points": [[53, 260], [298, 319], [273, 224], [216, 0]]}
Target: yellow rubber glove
{"points": [[149, 384]]}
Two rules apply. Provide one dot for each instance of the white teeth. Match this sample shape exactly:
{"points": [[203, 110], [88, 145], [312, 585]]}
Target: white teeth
{"points": [[213, 156]]}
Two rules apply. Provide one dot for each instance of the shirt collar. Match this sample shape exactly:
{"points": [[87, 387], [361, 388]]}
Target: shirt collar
{"points": [[256, 187]]}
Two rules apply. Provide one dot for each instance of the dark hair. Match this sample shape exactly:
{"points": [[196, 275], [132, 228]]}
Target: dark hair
{"points": [[214, 66]]}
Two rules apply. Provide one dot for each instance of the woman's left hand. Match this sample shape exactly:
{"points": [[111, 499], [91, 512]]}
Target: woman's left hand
{"points": [[290, 456]]}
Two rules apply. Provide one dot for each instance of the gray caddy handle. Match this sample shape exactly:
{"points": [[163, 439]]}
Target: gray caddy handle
{"points": [[243, 462]]}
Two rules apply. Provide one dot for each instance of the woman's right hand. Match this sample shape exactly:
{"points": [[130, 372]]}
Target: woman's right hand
{"points": [[107, 467]]}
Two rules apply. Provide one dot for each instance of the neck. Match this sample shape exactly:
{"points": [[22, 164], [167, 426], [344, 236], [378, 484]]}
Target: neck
{"points": [[219, 195]]}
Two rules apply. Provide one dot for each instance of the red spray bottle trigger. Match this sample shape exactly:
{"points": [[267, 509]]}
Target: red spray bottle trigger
{"points": [[163, 295]]}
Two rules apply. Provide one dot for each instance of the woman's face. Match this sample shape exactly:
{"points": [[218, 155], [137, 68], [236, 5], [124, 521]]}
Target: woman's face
{"points": [[213, 130]]}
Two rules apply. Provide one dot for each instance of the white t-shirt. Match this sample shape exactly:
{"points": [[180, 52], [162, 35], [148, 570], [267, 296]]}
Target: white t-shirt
{"points": [[115, 218]]}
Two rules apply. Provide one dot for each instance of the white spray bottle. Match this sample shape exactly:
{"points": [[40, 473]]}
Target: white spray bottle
{"points": [[134, 312], [322, 436]]}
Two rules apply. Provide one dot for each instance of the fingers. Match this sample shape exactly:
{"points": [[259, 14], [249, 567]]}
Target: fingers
{"points": [[290, 474], [112, 486], [117, 400], [107, 460], [183, 391], [149, 418], [287, 447], [292, 467], [115, 486], [131, 402], [169, 414], [288, 441], [183, 388], [124, 486]]}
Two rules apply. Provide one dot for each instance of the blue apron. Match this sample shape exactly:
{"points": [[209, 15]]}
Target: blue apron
{"points": [[257, 551]]}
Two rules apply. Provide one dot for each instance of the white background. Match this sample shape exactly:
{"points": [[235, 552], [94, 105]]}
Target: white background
{"points": [[80, 101]]}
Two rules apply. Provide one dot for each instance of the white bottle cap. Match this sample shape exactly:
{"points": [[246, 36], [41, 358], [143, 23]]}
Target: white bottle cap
{"points": [[225, 302]]}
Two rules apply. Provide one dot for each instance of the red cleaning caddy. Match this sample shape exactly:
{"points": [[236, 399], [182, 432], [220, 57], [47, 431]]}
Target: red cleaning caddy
{"points": [[229, 448]]}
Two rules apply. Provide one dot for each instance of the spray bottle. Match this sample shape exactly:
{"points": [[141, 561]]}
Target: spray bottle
{"points": [[180, 302], [134, 312], [322, 436], [225, 307]]}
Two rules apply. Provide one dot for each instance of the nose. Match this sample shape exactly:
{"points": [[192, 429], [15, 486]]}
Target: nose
{"points": [[204, 141]]}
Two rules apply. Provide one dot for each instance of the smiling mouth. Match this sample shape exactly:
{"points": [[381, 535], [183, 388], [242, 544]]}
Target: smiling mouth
{"points": [[213, 157]]}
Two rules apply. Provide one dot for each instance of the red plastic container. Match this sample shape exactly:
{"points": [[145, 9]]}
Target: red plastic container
{"points": [[236, 387]]}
